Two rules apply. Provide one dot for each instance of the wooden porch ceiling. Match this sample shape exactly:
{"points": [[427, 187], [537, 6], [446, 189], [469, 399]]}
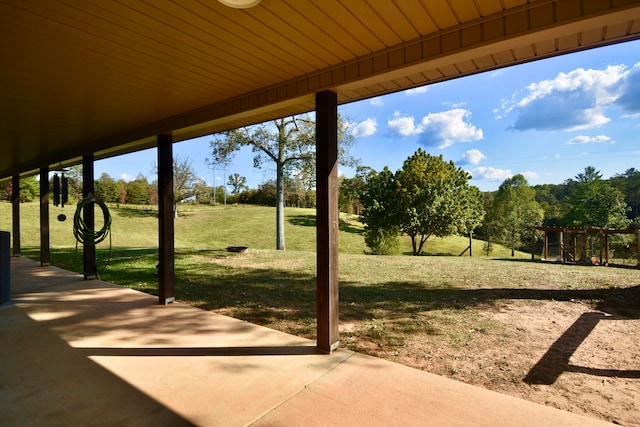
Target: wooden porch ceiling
{"points": [[105, 77]]}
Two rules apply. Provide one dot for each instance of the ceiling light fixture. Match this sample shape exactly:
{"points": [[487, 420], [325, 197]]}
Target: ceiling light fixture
{"points": [[240, 4]]}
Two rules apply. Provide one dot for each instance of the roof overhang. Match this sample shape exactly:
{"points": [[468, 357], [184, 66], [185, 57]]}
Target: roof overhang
{"points": [[104, 78]]}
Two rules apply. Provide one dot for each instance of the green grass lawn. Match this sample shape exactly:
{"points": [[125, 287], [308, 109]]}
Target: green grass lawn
{"points": [[206, 227]]}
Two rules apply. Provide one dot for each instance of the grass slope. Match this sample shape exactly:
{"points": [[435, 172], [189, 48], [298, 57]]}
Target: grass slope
{"points": [[216, 227]]}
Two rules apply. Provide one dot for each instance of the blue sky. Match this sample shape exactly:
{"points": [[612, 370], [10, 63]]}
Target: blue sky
{"points": [[547, 120]]}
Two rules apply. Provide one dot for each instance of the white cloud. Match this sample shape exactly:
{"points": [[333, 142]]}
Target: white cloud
{"points": [[405, 126], [629, 99], [472, 157], [416, 90], [571, 101], [125, 177], [438, 129], [492, 174], [377, 101], [365, 128], [445, 128], [583, 139], [531, 175]]}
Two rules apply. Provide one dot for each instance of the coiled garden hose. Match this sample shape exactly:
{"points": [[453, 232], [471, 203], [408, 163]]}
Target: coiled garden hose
{"points": [[86, 235], [82, 232]]}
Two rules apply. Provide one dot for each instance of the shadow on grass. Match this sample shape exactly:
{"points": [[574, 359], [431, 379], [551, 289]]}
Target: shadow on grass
{"points": [[266, 295], [136, 212], [310, 221]]}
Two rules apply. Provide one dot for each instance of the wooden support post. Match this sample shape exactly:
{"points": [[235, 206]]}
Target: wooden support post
{"points": [[45, 255], [327, 220], [583, 249], [561, 243], [166, 271], [533, 243], [601, 249], [545, 248], [15, 201], [88, 216]]}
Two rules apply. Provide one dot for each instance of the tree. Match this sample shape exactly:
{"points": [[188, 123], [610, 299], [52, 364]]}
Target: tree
{"points": [[377, 197], [628, 183], [106, 189], [427, 197], [515, 212], [433, 199], [351, 188], [138, 191], [594, 202], [289, 143], [238, 183], [184, 182]]}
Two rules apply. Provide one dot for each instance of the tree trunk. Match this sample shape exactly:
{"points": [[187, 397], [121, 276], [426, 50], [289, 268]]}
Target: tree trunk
{"points": [[279, 206]]}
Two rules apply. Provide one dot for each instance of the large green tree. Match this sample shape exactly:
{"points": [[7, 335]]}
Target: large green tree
{"points": [[427, 197], [378, 199], [107, 189], [434, 199], [514, 212], [628, 183], [137, 191], [594, 202], [289, 143]]}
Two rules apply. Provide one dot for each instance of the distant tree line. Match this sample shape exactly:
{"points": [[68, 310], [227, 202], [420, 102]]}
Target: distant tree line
{"points": [[426, 197]]}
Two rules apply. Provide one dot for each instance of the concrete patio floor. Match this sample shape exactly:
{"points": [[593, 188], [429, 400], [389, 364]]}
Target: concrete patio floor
{"points": [[88, 353]]}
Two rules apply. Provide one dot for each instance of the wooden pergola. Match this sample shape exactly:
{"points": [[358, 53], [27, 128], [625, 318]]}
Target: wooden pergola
{"points": [[573, 244]]}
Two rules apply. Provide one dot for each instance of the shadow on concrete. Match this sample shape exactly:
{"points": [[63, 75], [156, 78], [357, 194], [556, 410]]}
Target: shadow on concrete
{"points": [[203, 351], [44, 381]]}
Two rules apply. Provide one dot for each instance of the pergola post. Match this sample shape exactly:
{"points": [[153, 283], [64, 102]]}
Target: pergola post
{"points": [[45, 256], [166, 272], [638, 248], [88, 216], [545, 248], [327, 220], [15, 201]]}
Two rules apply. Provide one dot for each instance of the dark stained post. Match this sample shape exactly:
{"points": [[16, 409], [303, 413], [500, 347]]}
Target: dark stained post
{"points": [[545, 249], [15, 201], [166, 271], [88, 216], [533, 243], [638, 248], [327, 220], [45, 256]]}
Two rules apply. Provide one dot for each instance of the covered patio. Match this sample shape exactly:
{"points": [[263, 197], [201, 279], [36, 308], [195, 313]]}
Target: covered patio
{"points": [[92, 80], [78, 352]]}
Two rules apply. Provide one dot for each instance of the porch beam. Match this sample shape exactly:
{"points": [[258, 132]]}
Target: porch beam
{"points": [[327, 220], [166, 269], [15, 202], [45, 254], [88, 216]]}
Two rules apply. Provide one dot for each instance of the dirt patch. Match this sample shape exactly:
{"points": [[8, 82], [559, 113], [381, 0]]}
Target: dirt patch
{"points": [[563, 354]]}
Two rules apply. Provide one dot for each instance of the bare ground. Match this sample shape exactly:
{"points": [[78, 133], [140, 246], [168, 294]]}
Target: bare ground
{"points": [[562, 354]]}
